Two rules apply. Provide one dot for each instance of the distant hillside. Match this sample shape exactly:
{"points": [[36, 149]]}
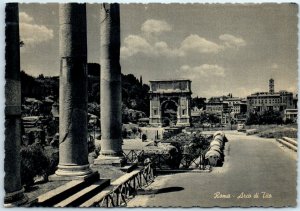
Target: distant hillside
{"points": [[134, 92], [39, 87]]}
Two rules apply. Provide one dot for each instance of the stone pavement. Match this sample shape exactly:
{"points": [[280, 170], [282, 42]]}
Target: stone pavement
{"points": [[252, 165]]}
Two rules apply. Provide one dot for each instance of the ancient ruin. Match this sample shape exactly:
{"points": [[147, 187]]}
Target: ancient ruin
{"points": [[14, 195], [73, 156], [168, 95], [110, 82]]}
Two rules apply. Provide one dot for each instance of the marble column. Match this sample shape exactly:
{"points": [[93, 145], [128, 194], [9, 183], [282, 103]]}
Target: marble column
{"points": [[14, 193], [73, 149], [111, 116]]}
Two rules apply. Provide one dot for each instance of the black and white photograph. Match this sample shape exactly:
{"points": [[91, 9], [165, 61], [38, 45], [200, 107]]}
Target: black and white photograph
{"points": [[150, 105]]}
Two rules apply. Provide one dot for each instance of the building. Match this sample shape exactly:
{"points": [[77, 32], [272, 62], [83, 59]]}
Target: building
{"points": [[239, 108], [217, 107], [266, 101], [290, 114], [233, 101]]}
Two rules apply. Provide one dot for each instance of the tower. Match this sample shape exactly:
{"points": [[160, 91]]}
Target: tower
{"points": [[271, 86], [141, 80]]}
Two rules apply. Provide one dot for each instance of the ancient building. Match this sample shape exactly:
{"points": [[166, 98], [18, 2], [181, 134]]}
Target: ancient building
{"points": [[170, 102]]}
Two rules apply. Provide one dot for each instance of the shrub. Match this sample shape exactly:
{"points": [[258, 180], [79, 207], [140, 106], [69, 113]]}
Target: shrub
{"points": [[124, 133], [53, 158], [33, 163], [134, 130], [144, 137], [194, 143]]}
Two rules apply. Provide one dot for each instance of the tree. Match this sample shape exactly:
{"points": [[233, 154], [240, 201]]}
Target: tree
{"points": [[267, 117], [198, 102]]}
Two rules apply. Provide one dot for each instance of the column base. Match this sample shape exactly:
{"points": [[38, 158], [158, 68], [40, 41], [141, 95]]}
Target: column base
{"points": [[184, 122], [94, 175], [15, 199], [155, 122], [110, 160], [72, 172]]}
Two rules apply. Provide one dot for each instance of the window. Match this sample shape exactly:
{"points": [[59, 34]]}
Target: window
{"points": [[183, 111], [155, 112]]}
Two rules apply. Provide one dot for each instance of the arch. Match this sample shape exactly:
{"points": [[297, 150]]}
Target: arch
{"points": [[169, 112], [168, 100], [178, 92]]}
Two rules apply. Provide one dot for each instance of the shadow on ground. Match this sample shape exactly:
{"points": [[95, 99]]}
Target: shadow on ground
{"points": [[160, 190]]}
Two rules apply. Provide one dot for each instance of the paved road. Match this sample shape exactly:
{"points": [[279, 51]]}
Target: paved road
{"points": [[252, 165]]}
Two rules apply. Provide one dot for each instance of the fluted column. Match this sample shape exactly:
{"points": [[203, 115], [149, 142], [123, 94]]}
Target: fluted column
{"points": [[14, 193], [111, 117], [73, 150]]}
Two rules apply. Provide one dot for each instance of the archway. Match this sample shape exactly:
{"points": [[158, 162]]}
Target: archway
{"points": [[170, 100], [169, 111]]}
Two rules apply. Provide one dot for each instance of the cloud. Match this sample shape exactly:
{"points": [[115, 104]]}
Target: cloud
{"points": [[31, 33], [153, 26], [162, 49], [205, 70], [231, 41], [212, 90], [134, 44], [195, 43], [245, 91], [25, 18]]}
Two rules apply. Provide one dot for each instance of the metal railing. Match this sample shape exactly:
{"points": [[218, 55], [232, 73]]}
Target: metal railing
{"points": [[166, 161]]}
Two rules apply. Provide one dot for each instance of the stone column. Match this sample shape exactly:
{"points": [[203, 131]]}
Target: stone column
{"points": [[111, 116], [14, 194], [73, 150]]}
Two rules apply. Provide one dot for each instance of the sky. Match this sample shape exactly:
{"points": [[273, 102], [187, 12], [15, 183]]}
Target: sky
{"points": [[221, 48]]}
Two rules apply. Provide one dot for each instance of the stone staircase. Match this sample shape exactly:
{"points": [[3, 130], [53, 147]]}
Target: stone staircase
{"points": [[73, 193], [290, 143], [86, 192]]}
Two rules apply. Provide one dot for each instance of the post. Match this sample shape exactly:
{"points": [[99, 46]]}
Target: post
{"points": [[14, 193], [111, 118], [73, 134]]}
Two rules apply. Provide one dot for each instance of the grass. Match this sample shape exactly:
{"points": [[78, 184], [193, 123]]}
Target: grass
{"points": [[276, 131]]}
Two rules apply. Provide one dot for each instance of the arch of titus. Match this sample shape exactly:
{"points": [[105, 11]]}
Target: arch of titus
{"points": [[73, 151], [177, 91]]}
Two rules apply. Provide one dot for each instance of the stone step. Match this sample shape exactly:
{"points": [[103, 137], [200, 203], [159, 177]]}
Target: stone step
{"points": [[60, 193], [85, 194], [291, 141], [287, 144], [98, 197]]}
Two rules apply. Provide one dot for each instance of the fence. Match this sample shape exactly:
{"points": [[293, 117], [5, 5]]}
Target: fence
{"points": [[125, 188], [166, 161]]}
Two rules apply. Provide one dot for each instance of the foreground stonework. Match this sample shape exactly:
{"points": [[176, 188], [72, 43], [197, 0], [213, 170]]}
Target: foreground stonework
{"points": [[111, 117], [14, 193]]}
